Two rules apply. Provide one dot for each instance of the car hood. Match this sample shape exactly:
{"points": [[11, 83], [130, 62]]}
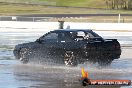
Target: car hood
{"points": [[26, 45]]}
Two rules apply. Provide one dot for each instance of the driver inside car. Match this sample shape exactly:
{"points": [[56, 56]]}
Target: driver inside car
{"points": [[81, 35]]}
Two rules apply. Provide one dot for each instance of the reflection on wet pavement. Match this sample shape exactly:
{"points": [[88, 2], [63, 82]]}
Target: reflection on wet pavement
{"points": [[17, 75]]}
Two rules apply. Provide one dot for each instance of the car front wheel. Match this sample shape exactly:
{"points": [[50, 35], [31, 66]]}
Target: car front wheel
{"points": [[24, 55]]}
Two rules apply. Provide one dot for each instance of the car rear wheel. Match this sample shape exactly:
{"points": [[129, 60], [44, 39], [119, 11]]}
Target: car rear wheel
{"points": [[105, 62], [24, 55], [70, 59]]}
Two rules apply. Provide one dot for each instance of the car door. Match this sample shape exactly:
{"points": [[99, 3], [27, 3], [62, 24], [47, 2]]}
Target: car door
{"points": [[65, 41], [49, 43], [69, 41]]}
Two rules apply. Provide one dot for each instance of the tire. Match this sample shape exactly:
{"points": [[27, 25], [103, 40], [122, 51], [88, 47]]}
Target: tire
{"points": [[105, 59], [24, 55], [70, 59], [106, 62]]}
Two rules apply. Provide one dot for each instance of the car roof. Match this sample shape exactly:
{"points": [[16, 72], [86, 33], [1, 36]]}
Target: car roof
{"points": [[71, 30]]}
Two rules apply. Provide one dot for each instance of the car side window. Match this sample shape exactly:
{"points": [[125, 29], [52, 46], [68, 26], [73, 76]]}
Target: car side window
{"points": [[64, 37], [51, 37]]}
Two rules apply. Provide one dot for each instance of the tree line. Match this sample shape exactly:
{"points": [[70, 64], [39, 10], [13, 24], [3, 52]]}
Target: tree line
{"points": [[119, 4]]}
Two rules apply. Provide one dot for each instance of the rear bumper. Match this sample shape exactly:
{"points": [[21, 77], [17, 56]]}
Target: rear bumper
{"points": [[102, 54]]}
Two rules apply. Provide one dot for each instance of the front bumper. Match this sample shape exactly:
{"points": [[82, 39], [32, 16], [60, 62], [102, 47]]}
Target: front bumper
{"points": [[16, 53]]}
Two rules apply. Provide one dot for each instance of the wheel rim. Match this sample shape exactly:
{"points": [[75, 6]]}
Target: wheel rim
{"points": [[24, 60], [70, 59], [24, 55]]}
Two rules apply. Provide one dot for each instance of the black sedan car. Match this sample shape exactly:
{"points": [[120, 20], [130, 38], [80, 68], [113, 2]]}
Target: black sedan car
{"points": [[70, 47]]}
